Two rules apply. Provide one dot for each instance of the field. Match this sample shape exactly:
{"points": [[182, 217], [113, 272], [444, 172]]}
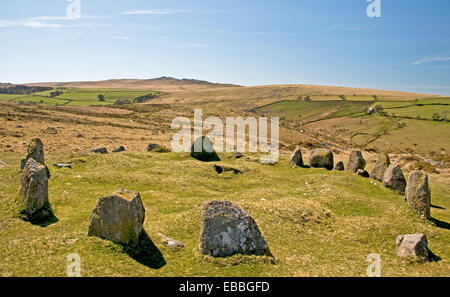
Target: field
{"points": [[316, 222]]}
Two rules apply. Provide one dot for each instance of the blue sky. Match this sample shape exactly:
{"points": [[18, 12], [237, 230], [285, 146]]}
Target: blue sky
{"points": [[247, 42]]}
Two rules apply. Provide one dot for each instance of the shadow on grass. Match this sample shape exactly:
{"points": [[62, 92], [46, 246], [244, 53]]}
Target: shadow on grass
{"points": [[146, 253], [433, 257], [438, 207], [440, 224], [304, 166], [42, 218]]}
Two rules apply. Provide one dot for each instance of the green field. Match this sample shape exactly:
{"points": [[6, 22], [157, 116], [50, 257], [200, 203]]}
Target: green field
{"points": [[77, 97], [314, 221], [424, 109]]}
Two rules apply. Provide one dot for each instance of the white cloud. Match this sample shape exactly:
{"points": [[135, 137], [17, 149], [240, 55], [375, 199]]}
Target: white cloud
{"points": [[63, 18], [428, 60], [28, 23]]}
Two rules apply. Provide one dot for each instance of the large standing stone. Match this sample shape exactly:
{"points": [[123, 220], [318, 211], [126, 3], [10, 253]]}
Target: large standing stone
{"points": [[380, 167], [118, 218], [321, 158], [413, 245], [35, 151], [418, 194], [394, 179], [356, 161], [228, 230], [202, 149], [297, 158], [34, 187]]}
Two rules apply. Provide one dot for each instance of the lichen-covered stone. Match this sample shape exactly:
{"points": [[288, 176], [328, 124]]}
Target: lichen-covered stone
{"points": [[413, 245], [356, 161], [394, 179], [202, 149], [339, 166], [380, 167], [118, 218], [35, 151], [321, 158], [34, 190], [228, 230], [418, 194], [296, 158]]}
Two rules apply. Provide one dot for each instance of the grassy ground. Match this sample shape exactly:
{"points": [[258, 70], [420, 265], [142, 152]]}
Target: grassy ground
{"points": [[77, 97], [316, 222]]}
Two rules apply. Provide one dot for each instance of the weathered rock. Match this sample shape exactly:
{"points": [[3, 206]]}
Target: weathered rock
{"points": [[151, 147], [99, 150], [118, 218], [35, 151], [339, 166], [119, 149], [321, 158], [62, 165], [228, 230], [202, 149], [363, 173], [34, 187], [413, 245], [380, 167], [169, 242], [356, 161], [297, 158], [418, 194], [238, 155], [394, 179]]}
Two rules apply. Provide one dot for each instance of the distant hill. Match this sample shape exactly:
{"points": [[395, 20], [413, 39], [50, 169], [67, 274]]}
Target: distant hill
{"points": [[12, 89], [162, 84]]}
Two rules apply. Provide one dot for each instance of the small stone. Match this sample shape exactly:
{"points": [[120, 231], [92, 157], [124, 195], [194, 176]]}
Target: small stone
{"points": [[99, 150], [228, 230], [118, 218], [238, 155], [339, 166], [62, 165], [380, 167], [356, 162], [119, 149], [2, 164], [202, 149], [169, 242], [363, 173], [413, 245], [394, 179], [418, 194], [321, 158], [296, 158], [151, 147]]}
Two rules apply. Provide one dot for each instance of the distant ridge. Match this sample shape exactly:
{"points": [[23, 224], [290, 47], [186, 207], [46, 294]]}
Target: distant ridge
{"points": [[163, 83]]}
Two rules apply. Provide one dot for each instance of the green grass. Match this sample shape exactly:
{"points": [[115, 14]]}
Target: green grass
{"points": [[77, 97], [316, 222]]}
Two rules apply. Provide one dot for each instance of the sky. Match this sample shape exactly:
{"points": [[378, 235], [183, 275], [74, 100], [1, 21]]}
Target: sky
{"points": [[246, 42]]}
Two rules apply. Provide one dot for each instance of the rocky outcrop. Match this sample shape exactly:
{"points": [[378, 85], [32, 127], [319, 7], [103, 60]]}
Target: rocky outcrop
{"points": [[418, 194], [394, 179], [321, 158], [380, 167], [118, 218], [356, 161], [228, 230]]}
